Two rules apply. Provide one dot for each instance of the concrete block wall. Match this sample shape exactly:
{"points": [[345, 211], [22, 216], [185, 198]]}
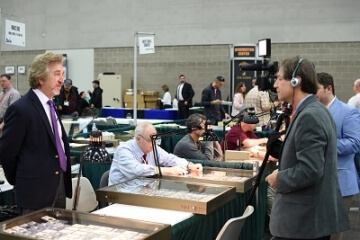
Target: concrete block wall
{"points": [[201, 64], [341, 60], [18, 58]]}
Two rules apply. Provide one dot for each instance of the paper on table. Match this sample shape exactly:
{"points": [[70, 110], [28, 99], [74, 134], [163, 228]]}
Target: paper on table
{"points": [[144, 213]]}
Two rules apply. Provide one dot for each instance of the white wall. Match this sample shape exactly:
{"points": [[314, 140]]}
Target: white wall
{"points": [[70, 24], [80, 67]]}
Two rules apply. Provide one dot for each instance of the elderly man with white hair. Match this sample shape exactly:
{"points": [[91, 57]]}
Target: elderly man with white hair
{"points": [[135, 158], [355, 100]]}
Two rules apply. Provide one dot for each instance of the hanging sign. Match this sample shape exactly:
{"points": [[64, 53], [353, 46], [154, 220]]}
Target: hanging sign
{"points": [[146, 45], [14, 33]]}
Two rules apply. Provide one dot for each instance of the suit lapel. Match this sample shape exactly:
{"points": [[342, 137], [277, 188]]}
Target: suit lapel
{"points": [[307, 101], [41, 112]]}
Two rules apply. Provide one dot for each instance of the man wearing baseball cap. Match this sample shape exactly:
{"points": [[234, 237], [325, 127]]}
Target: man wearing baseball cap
{"points": [[68, 99], [212, 102]]}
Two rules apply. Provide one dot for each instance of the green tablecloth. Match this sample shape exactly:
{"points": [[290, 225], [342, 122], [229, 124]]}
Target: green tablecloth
{"points": [[92, 171], [208, 226]]}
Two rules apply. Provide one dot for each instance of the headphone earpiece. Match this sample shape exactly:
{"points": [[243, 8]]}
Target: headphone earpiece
{"points": [[198, 127], [294, 80]]}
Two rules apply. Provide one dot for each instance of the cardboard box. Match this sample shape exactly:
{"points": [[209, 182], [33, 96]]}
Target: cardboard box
{"points": [[150, 98], [233, 155], [152, 105], [141, 105], [130, 98]]}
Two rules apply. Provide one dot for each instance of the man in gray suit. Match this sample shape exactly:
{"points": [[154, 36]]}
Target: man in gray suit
{"points": [[308, 203]]}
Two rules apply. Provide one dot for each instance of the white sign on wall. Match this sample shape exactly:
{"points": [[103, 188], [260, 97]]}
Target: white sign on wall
{"points": [[14, 33], [146, 45]]}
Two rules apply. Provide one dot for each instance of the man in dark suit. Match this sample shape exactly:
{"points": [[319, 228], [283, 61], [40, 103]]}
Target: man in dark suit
{"points": [[34, 159], [96, 97], [184, 95], [308, 203]]}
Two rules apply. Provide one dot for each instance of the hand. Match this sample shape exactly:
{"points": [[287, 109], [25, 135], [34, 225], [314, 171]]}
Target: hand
{"points": [[271, 179], [227, 116], [59, 108], [186, 103], [217, 101], [195, 167], [174, 171], [263, 141]]}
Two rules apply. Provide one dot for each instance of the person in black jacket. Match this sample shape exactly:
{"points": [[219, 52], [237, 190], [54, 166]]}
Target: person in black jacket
{"points": [[184, 95], [67, 102], [96, 97], [84, 104]]}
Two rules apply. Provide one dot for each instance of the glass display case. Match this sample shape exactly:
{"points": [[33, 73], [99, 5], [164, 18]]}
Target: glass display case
{"points": [[55, 223], [200, 198], [239, 178]]}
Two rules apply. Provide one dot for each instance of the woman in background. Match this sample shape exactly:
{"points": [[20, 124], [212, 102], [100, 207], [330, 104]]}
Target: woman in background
{"points": [[166, 100], [238, 99], [84, 104]]}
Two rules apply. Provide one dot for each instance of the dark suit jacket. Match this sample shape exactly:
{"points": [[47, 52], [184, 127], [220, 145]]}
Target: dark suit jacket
{"points": [[308, 203], [188, 93], [28, 154], [96, 97]]}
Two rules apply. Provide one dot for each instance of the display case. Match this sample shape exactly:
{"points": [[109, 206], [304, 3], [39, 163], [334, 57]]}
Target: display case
{"points": [[241, 179], [200, 198], [55, 223]]}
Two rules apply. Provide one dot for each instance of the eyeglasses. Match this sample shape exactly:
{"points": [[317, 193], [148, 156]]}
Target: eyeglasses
{"points": [[147, 140]]}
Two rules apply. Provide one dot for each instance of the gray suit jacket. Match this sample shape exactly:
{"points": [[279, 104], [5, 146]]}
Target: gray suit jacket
{"points": [[308, 203]]}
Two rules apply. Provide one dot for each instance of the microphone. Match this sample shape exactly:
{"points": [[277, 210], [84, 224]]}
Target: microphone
{"points": [[209, 135], [248, 116], [251, 119]]}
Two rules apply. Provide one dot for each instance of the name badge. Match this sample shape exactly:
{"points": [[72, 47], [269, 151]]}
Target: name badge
{"points": [[66, 103]]}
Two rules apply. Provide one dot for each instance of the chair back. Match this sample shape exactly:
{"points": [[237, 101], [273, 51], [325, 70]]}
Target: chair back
{"points": [[87, 198], [104, 179], [104, 183], [232, 228]]}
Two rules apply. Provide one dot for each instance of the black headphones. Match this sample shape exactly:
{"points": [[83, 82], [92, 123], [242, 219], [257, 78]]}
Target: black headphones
{"points": [[198, 127], [294, 80]]}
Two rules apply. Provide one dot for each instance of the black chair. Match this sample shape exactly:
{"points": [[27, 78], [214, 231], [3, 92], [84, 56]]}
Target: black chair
{"points": [[104, 183]]}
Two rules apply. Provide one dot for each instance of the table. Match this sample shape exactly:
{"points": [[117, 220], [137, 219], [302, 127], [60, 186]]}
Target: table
{"points": [[194, 226]]}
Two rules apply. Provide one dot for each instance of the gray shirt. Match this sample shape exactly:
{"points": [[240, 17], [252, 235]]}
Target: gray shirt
{"points": [[187, 148], [7, 97], [128, 162]]}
